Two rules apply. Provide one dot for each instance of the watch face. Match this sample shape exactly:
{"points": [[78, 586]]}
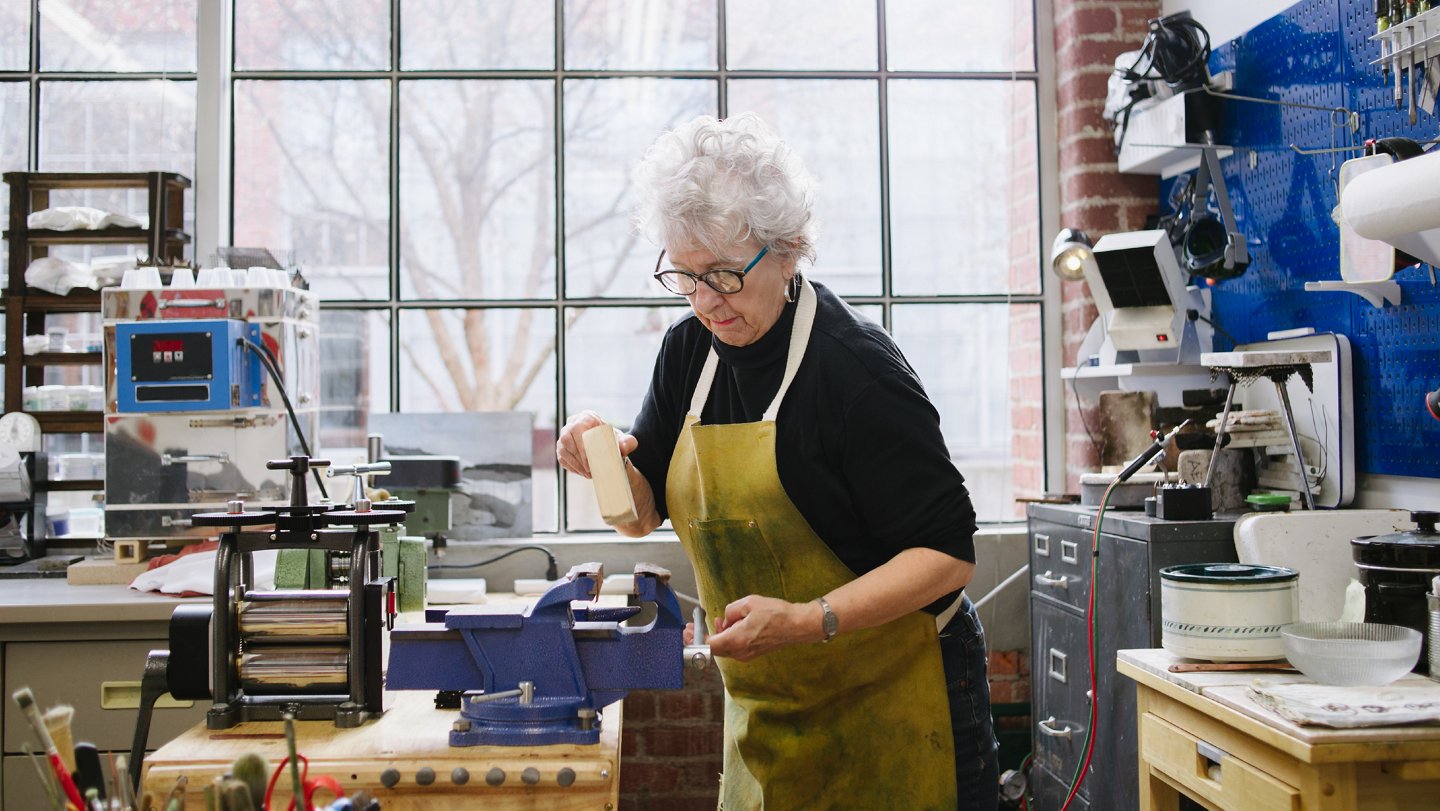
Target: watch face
{"points": [[20, 432]]}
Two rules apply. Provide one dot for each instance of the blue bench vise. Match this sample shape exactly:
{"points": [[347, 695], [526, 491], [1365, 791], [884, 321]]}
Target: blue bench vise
{"points": [[541, 675]]}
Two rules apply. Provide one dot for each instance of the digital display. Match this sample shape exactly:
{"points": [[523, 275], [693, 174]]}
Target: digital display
{"points": [[163, 357]]}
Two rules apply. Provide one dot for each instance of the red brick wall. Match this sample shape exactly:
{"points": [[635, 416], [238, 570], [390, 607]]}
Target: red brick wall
{"points": [[1094, 197], [671, 745]]}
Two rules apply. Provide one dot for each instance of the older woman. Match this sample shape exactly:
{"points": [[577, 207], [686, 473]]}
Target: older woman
{"points": [[795, 453]]}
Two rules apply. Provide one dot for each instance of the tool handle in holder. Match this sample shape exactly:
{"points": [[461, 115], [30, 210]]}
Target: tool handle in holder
{"points": [[298, 466], [368, 469]]}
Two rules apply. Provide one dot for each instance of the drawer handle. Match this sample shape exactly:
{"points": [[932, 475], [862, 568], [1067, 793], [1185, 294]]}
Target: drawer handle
{"points": [[1042, 545], [1059, 666], [1049, 731], [125, 695], [1070, 551], [1048, 579]]}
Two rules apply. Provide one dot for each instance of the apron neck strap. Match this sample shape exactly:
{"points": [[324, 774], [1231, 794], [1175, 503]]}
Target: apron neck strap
{"points": [[799, 340]]}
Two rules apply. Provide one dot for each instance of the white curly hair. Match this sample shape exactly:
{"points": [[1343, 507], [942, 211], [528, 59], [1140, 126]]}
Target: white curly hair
{"points": [[716, 183]]}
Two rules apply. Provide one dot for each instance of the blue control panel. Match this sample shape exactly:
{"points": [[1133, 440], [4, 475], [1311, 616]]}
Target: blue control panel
{"points": [[186, 366]]}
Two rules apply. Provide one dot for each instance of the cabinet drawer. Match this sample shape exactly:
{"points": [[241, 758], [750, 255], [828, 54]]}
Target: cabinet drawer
{"points": [[101, 681], [1060, 563], [1050, 792], [1211, 773], [1060, 675]]}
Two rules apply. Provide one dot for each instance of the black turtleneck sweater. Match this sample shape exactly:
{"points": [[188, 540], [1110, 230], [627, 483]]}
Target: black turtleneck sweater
{"points": [[858, 444]]}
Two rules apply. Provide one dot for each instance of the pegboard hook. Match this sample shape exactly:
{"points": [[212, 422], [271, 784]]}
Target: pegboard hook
{"points": [[1346, 117]]}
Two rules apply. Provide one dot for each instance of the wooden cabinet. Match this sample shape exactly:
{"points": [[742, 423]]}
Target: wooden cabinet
{"points": [[1203, 740], [26, 308]]}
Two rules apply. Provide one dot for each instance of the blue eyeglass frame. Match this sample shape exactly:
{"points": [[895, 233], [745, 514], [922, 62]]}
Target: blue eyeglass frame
{"points": [[700, 277]]}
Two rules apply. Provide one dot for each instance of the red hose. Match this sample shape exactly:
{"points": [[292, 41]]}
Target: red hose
{"points": [[1079, 778]]}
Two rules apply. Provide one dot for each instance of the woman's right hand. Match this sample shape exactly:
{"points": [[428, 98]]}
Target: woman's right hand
{"points": [[570, 451]]}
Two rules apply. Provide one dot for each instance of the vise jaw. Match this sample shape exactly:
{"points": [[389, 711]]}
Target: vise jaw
{"points": [[540, 675]]}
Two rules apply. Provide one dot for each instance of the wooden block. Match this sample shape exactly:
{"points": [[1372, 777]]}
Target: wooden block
{"points": [[97, 572], [129, 551], [608, 474]]}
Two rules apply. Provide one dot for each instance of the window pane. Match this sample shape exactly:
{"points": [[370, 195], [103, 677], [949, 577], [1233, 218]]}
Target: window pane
{"points": [[834, 125], [312, 34], [640, 34], [100, 35], [477, 189], [312, 176], [14, 34], [800, 34], [988, 399], [354, 374], [117, 126], [14, 150], [961, 186], [609, 356], [609, 123], [487, 360], [959, 35], [476, 34]]}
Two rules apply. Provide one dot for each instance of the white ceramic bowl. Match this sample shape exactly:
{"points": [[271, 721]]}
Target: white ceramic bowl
{"points": [[1227, 612]]}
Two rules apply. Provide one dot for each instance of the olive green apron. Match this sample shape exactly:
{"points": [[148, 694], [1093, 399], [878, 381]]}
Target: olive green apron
{"points": [[860, 722]]}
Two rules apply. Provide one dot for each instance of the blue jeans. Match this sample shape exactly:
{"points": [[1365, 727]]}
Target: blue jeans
{"points": [[977, 767]]}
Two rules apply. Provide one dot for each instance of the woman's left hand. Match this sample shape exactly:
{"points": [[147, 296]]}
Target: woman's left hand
{"points": [[755, 625]]}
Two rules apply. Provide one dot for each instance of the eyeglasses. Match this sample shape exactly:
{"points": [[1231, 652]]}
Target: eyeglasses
{"points": [[721, 280]]}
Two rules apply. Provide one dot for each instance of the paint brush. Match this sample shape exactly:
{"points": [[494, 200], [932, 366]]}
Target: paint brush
{"points": [[57, 723], [46, 780], [26, 700]]}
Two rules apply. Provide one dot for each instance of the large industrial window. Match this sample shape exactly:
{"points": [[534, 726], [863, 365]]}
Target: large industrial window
{"points": [[452, 175]]}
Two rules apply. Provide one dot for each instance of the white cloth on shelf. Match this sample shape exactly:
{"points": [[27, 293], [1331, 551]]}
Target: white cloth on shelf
{"points": [[59, 276], [1410, 701], [76, 218]]}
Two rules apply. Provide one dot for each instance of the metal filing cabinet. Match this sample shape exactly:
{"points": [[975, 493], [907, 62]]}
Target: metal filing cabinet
{"points": [[1133, 549]]}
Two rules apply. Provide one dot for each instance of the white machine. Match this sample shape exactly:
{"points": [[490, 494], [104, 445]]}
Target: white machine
{"points": [[1144, 300]]}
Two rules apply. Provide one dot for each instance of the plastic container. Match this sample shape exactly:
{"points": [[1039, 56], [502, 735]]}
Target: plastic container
{"points": [[54, 398], [1268, 502], [1348, 654]]}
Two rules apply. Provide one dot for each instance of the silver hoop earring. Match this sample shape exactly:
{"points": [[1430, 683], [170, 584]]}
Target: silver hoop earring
{"points": [[792, 289]]}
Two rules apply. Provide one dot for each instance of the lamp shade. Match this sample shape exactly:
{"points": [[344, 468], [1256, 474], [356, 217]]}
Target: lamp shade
{"points": [[1070, 253]]}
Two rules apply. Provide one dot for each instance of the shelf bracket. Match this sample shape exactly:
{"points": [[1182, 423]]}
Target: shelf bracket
{"points": [[1377, 293]]}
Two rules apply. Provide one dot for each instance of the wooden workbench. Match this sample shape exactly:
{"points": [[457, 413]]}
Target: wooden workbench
{"points": [[410, 736], [1201, 735]]}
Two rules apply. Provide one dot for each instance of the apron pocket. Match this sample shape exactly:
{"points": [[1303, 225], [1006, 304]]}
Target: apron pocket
{"points": [[733, 559]]}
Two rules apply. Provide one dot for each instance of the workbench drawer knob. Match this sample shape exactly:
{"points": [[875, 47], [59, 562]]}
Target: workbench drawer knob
{"points": [[566, 777], [531, 776], [495, 776], [460, 775], [425, 776], [390, 777]]}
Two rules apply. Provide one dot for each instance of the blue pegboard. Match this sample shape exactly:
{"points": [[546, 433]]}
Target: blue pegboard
{"points": [[1318, 53]]}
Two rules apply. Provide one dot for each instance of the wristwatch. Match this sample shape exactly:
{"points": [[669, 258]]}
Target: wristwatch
{"points": [[829, 623]]}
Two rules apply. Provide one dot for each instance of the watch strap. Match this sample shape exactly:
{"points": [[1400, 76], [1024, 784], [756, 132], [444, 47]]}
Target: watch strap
{"points": [[829, 623]]}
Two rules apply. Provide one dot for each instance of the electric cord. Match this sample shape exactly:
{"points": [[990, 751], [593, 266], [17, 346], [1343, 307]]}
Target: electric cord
{"points": [[1195, 314], [1080, 409], [552, 569], [268, 361], [1178, 48]]}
